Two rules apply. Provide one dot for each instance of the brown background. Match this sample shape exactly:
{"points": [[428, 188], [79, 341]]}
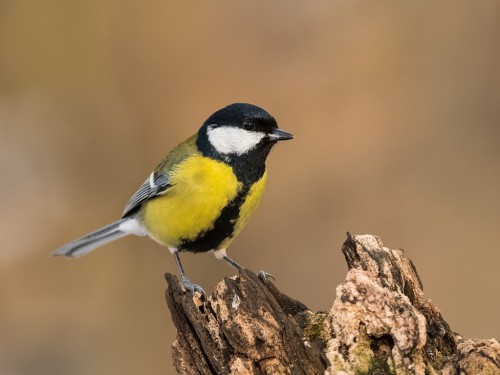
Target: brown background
{"points": [[395, 107]]}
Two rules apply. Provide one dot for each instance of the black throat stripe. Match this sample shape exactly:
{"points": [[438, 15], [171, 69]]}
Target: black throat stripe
{"points": [[223, 227], [248, 169]]}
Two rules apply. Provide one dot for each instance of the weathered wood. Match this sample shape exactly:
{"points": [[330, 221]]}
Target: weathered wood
{"points": [[380, 323]]}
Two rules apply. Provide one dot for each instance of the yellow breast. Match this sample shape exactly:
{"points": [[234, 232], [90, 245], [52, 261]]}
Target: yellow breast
{"points": [[247, 209], [201, 187]]}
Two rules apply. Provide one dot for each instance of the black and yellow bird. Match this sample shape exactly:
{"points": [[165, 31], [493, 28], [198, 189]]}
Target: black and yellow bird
{"points": [[203, 193]]}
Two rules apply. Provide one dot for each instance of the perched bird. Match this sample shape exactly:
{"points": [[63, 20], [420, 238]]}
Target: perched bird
{"points": [[203, 193]]}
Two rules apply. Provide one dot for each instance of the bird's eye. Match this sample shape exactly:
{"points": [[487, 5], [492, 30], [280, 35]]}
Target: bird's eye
{"points": [[249, 125]]}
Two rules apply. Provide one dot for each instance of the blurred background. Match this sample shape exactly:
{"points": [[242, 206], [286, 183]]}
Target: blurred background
{"points": [[395, 107]]}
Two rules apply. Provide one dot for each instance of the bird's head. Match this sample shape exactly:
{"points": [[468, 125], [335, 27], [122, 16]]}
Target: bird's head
{"points": [[241, 128]]}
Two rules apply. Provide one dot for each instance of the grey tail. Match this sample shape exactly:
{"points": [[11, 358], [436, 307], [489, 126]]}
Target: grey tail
{"points": [[91, 241]]}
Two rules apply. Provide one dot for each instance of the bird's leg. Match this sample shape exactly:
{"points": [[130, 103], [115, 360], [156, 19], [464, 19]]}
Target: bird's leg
{"points": [[185, 280], [221, 254], [232, 263]]}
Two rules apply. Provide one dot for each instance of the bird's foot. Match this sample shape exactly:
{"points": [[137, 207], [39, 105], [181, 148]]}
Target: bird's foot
{"points": [[264, 276], [189, 286]]}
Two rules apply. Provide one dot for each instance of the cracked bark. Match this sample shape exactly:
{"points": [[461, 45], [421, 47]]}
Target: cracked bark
{"points": [[380, 323]]}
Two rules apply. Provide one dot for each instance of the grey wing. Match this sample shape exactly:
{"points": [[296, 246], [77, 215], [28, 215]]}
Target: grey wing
{"points": [[156, 184]]}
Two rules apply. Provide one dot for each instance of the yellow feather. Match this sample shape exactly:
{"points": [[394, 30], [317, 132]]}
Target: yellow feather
{"points": [[201, 187], [247, 209]]}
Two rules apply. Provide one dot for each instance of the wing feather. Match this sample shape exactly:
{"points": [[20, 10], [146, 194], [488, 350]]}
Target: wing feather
{"points": [[159, 181], [156, 184]]}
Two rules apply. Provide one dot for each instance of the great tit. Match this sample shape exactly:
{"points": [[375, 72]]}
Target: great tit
{"points": [[202, 194]]}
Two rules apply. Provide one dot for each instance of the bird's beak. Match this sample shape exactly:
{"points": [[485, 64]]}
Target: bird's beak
{"points": [[279, 135]]}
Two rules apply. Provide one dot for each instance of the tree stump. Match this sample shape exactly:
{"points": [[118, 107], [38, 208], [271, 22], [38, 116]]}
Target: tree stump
{"points": [[380, 323]]}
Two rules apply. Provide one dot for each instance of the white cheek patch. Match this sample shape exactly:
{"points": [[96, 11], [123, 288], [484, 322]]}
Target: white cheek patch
{"points": [[231, 140]]}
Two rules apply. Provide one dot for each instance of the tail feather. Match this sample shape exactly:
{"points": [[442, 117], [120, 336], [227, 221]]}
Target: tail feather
{"points": [[91, 241]]}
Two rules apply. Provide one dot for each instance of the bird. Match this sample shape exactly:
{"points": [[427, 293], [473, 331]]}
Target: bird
{"points": [[202, 194]]}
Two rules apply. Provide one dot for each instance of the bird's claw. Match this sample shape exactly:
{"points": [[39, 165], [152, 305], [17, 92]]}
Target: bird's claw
{"points": [[264, 276], [191, 287]]}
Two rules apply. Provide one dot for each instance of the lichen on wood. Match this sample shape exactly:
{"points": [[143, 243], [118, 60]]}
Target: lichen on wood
{"points": [[380, 323]]}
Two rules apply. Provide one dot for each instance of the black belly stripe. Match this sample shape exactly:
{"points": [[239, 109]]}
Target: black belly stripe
{"points": [[223, 227]]}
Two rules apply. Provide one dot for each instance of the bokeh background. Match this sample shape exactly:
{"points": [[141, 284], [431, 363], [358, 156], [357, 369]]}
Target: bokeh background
{"points": [[395, 107]]}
